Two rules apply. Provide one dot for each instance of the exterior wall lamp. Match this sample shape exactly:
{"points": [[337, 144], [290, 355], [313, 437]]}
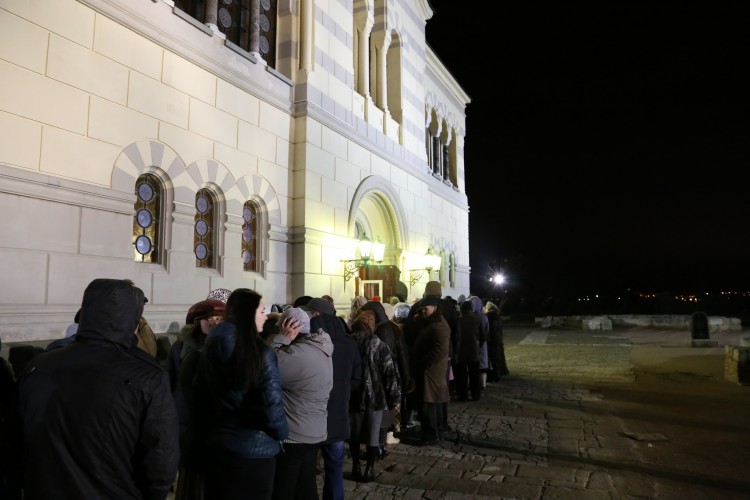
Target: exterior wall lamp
{"points": [[431, 261], [368, 252]]}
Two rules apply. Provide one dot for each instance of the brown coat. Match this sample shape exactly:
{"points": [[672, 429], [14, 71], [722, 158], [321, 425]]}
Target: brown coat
{"points": [[146, 337], [431, 360]]}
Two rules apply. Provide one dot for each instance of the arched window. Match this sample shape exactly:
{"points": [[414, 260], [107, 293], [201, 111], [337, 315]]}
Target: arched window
{"points": [[147, 238], [248, 24], [203, 230], [250, 236]]}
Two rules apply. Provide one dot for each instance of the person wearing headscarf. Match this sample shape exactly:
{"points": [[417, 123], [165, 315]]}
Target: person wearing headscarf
{"points": [[484, 359], [495, 343], [120, 437], [306, 368], [390, 333], [380, 390], [466, 367], [357, 302]]}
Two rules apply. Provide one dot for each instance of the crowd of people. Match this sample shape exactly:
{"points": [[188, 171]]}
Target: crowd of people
{"points": [[245, 402]]}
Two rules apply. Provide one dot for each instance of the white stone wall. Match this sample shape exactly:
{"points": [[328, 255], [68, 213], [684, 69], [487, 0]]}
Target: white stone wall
{"points": [[95, 92]]}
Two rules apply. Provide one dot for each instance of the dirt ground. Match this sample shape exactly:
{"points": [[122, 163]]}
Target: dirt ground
{"points": [[686, 419]]}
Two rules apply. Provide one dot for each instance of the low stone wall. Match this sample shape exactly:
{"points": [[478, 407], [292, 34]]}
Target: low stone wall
{"points": [[607, 322], [737, 364]]}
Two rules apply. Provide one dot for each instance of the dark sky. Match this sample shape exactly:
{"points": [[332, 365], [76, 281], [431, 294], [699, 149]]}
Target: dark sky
{"points": [[607, 142]]}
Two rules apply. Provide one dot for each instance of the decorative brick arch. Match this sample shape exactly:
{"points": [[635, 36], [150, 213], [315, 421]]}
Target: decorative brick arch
{"points": [[140, 157]]}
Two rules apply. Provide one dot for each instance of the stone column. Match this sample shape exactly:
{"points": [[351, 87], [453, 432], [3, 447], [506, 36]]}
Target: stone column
{"points": [[254, 29], [307, 45]]}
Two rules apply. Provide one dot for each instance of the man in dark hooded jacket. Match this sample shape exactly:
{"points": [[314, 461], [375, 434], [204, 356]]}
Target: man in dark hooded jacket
{"points": [[96, 420]]}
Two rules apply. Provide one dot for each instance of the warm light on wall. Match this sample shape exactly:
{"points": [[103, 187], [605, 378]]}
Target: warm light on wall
{"points": [[431, 261], [368, 252]]}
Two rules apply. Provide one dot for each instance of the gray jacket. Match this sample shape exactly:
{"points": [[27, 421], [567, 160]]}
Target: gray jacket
{"points": [[306, 371]]}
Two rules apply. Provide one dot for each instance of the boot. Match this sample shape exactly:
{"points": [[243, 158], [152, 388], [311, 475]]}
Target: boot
{"points": [[356, 471], [382, 448], [356, 467], [369, 474]]}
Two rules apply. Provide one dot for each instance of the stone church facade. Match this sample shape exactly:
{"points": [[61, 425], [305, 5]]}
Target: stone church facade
{"points": [[201, 144]]}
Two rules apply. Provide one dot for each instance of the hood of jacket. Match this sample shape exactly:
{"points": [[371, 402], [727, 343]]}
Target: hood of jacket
{"points": [[110, 311], [380, 316], [476, 304], [319, 339], [330, 324]]}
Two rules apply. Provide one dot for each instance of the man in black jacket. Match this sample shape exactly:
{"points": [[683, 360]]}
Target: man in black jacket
{"points": [[347, 373], [96, 420]]}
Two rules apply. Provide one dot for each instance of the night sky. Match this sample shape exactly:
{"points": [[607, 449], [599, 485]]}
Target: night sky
{"points": [[607, 142]]}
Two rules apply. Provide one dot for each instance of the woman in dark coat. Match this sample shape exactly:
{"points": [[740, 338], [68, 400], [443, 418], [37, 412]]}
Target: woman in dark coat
{"points": [[466, 367], [379, 390], [390, 333], [237, 419], [495, 345]]}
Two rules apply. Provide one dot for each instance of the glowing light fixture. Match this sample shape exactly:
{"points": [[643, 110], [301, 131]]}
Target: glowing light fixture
{"points": [[368, 252], [431, 261]]}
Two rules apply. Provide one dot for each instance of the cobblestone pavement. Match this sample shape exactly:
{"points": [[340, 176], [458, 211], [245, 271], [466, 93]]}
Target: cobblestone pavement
{"points": [[548, 431]]}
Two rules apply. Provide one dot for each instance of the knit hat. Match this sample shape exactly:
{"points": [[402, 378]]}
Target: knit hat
{"points": [[389, 310], [433, 288], [204, 309], [299, 315], [220, 294]]}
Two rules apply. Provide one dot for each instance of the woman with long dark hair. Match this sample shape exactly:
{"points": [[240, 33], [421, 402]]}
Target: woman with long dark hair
{"points": [[238, 406]]}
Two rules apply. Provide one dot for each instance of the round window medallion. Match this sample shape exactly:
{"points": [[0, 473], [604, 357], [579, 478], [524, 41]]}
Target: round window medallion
{"points": [[201, 228], [265, 24], [247, 257], [201, 203], [225, 18], [144, 218], [266, 4], [201, 251], [143, 245], [263, 45], [145, 192]]}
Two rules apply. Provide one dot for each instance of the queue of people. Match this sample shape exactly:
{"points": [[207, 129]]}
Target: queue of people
{"points": [[246, 402]]}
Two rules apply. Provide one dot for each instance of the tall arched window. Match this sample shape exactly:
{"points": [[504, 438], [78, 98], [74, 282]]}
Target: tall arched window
{"points": [[203, 229], [147, 219], [249, 24], [250, 236]]}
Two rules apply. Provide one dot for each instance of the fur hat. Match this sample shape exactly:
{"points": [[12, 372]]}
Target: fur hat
{"points": [[430, 300], [299, 315], [433, 288], [401, 310], [220, 294], [204, 309]]}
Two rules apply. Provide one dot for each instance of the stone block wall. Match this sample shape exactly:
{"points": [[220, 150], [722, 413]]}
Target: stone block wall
{"points": [[737, 364]]}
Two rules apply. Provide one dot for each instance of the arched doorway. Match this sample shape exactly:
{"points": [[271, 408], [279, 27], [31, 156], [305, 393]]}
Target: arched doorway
{"points": [[377, 214]]}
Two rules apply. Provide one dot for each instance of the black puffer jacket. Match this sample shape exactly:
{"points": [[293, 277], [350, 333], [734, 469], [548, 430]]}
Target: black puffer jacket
{"points": [[98, 421]]}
